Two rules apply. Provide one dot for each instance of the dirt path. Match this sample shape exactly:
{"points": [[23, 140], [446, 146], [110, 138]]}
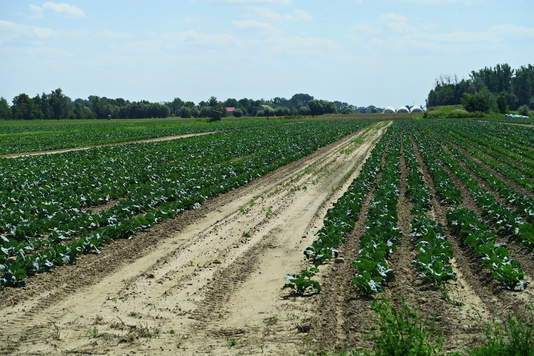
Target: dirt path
{"points": [[207, 281], [156, 139]]}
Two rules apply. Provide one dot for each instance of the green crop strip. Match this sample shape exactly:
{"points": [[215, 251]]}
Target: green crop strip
{"points": [[46, 216]]}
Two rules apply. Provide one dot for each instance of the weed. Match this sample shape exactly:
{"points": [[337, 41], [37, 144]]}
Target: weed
{"points": [[269, 211], [171, 332], [232, 341], [143, 330], [513, 337], [246, 233], [271, 320], [191, 263], [252, 203], [92, 332], [403, 332], [55, 333]]}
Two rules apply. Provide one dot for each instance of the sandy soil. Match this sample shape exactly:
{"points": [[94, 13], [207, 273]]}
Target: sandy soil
{"points": [[207, 281]]}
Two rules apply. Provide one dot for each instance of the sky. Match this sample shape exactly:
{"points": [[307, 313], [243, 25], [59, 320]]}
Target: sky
{"points": [[363, 52]]}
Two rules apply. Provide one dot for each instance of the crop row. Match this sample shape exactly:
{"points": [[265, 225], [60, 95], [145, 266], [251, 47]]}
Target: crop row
{"points": [[28, 137], [47, 215], [474, 231], [434, 252], [446, 165]]}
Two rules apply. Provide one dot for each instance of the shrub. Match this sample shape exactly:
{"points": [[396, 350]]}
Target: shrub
{"points": [[523, 110], [482, 101], [238, 113], [185, 112]]}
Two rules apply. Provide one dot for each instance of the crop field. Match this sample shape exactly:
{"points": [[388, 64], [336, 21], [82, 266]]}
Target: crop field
{"points": [[280, 236]]}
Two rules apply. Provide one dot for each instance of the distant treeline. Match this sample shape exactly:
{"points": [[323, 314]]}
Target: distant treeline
{"points": [[496, 89], [57, 105]]}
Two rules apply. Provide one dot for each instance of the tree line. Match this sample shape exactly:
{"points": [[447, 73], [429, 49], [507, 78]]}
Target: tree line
{"points": [[57, 105], [497, 89]]}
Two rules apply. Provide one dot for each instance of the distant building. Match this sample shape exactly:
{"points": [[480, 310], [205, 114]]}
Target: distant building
{"points": [[402, 109], [417, 109], [389, 110]]}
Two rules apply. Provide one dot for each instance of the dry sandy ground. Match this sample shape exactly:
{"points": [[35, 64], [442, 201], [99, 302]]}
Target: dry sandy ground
{"points": [[205, 282]]}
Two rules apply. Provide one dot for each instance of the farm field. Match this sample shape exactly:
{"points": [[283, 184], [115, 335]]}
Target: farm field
{"points": [[181, 246]]}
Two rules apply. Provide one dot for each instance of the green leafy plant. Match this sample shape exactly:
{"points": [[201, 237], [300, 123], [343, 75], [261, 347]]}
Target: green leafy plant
{"points": [[402, 331], [301, 282]]}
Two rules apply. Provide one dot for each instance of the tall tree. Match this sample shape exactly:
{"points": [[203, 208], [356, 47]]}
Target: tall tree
{"points": [[523, 84], [5, 110], [24, 108], [59, 104], [300, 99]]}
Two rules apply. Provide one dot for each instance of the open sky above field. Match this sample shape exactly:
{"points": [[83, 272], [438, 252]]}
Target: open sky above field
{"points": [[385, 52]]}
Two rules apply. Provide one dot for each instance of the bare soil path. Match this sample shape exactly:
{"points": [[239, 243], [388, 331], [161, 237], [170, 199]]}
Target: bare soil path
{"points": [[205, 282]]}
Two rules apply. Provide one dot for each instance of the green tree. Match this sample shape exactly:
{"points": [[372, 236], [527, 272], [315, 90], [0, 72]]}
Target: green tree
{"points": [[523, 84], [175, 106], [304, 110], [24, 108], [502, 104], [238, 113], [300, 99], [59, 104], [5, 110], [185, 112], [483, 101]]}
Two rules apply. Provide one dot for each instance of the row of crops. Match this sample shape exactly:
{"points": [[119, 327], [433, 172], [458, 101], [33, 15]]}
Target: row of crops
{"points": [[51, 205], [459, 156], [19, 137]]}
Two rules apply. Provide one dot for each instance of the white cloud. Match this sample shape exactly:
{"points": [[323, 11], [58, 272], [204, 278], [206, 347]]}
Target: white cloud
{"points": [[10, 31], [60, 8], [304, 46], [254, 24], [269, 14]]}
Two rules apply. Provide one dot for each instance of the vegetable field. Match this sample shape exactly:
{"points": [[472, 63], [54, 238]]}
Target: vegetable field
{"points": [[182, 245]]}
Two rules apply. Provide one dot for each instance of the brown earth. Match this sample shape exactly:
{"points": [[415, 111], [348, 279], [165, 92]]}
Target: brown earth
{"points": [[208, 281]]}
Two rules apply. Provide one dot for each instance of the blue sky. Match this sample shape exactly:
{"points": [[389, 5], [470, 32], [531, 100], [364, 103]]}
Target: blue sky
{"points": [[383, 53]]}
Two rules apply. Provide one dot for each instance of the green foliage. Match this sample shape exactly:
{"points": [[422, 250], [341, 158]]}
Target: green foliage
{"points": [[304, 110], [523, 110], [482, 101], [512, 338], [515, 85], [449, 112], [5, 110], [402, 332], [320, 107], [185, 112], [302, 281], [238, 113], [502, 104]]}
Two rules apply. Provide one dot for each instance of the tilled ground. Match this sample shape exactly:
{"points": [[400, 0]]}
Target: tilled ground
{"points": [[208, 281]]}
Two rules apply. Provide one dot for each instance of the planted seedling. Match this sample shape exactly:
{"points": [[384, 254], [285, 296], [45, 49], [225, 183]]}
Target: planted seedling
{"points": [[300, 283]]}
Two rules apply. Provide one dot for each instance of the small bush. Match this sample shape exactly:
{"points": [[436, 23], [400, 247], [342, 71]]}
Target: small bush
{"points": [[403, 331], [185, 112], [238, 113], [523, 110], [514, 338]]}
